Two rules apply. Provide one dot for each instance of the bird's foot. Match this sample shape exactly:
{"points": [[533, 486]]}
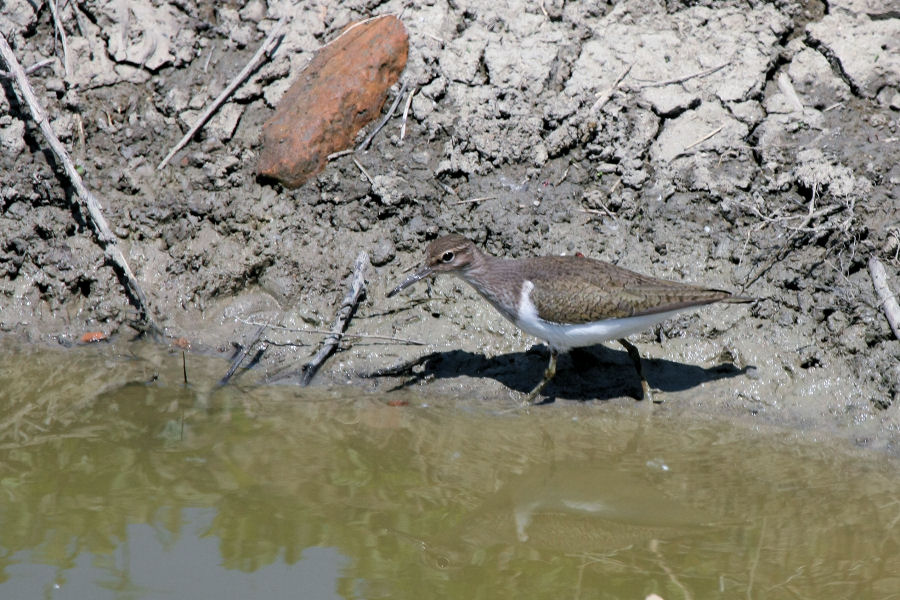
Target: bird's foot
{"points": [[549, 372]]}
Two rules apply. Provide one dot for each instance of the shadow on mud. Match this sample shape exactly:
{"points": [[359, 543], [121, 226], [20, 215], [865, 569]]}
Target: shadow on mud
{"points": [[593, 373]]}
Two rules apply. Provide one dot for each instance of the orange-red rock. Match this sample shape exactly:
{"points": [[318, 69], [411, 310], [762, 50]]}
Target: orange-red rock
{"points": [[343, 88], [92, 336]]}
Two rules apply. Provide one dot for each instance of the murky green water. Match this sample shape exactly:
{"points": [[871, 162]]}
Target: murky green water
{"points": [[118, 481]]}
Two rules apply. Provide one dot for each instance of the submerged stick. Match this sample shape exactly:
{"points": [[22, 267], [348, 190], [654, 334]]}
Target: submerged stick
{"points": [[888, 299], [348, 307], [86, 202], [245, 350], [267, 50]]}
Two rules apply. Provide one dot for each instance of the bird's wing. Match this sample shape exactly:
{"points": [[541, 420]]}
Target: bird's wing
{"points": [[581, 290]]}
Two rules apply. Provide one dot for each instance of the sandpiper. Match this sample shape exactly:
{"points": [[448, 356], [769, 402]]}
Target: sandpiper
{"points": [[567, 301]]}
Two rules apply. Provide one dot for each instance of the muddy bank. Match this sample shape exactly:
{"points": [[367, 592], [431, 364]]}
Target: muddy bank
{"points": [[748, 146]]}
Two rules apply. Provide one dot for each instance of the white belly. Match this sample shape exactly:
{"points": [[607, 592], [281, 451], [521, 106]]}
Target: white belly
{"points": [[564, 337]]}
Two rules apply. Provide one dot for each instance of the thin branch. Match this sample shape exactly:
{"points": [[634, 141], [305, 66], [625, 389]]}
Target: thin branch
{"points": [[343, 335], [705, 73], [383, 122], [87, 203], [435, 38], [703, 139], [615, 186], [245, 350], [406, 112], [888, 299], [31, 69], [604, 97], [364, 172], [54, 10], [265, 52], [594, 211], [344, 314], [209, 58], [339, 154]]}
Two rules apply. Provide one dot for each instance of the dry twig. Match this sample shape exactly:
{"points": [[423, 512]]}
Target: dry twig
{"points": [[54, 9], [705, 73], [604, 97], [888, 299], [364, 336], [348, 307], [364, 172], [266, 51], [406, 112], [435, 38], [703, 139], [339, 154], [383, 122], [86, 202], [28, 71]]}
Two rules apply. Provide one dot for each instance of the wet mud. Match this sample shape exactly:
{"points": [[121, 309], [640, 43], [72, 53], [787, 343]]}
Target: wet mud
{"points": [[744, 145]]}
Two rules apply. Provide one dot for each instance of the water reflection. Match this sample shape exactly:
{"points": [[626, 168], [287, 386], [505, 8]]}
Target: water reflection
{"points": [[111, 469]]}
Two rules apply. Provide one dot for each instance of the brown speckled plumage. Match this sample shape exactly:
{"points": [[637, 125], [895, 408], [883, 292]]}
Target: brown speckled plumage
{"points": [[568, 301], [567, 289]]}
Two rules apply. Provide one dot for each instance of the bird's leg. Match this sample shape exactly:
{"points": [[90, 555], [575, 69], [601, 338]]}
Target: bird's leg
{"points": [[636, 359], [549, 372]]}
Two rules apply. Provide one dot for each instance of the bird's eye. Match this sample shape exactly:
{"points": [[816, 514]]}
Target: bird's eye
{"points": [[447, 257]]}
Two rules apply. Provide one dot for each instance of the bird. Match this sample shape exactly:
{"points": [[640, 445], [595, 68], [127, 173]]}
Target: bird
{"points": [[566, 301]]}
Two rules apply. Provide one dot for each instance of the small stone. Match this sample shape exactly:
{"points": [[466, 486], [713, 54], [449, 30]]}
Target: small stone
{"points": [[837, 322], [392, 189], [12, 138], [224, 121], [254, 11], [383, 252], [422, 107], [342, 89], [894, 102]]}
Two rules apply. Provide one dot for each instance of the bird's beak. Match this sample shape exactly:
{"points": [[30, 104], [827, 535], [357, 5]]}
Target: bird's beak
{"points": [[411, 280]]}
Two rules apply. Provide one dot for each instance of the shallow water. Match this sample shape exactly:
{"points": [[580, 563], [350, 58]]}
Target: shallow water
{"points": [[117, 480]]}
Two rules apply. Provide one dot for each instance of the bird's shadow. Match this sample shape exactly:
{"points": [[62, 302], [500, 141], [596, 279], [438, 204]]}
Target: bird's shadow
{"points": [[592, 373]]}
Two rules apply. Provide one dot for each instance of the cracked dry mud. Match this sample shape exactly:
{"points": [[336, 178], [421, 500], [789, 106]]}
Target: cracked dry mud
{"points": [[745, 145]]}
